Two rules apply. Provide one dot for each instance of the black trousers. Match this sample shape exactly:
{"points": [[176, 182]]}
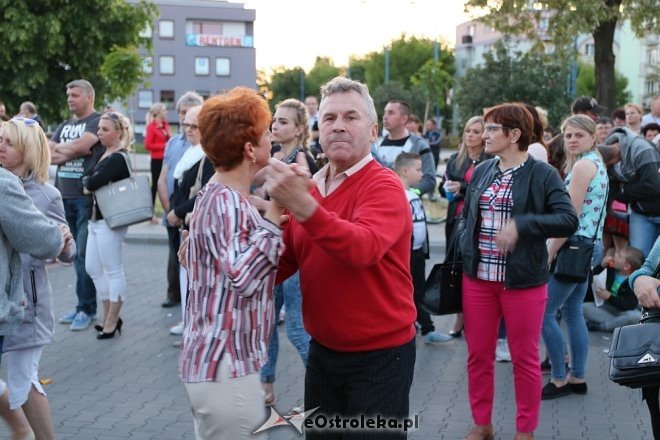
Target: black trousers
{"points": [[173, 289], [418, 273], [650, 394], [156, 166], [353, 384]]}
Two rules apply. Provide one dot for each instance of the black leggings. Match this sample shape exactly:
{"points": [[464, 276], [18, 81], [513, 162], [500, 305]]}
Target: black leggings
{"points": [[156, 166], [650, 394]]}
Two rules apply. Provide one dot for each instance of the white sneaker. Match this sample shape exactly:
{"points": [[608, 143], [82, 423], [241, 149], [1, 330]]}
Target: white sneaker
{"points": [[177, 330], [502, 351]]}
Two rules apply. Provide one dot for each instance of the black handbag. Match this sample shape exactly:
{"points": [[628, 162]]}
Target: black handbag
{"points": [[443, 293], [573, 262], [635, 351]]}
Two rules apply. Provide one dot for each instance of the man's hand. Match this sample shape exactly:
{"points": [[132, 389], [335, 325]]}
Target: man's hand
{"points": [[646, 290], [173, 220], [288, 186]]}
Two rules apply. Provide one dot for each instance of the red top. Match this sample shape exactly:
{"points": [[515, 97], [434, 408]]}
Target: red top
{"points": [[156, 138], [354, 259]]}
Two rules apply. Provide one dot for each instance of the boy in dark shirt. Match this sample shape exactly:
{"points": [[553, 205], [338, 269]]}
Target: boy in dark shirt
{"points": [[620, 306]]}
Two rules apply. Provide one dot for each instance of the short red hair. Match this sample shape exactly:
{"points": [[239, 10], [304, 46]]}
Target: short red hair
{"points": [[226, 122], [510, 116]]}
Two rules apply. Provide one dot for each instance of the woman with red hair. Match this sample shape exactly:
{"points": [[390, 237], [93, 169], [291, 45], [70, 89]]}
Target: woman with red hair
{"points": [[513, 204], [232, 258]]}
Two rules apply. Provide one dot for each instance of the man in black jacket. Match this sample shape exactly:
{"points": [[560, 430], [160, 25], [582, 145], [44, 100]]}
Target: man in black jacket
{"points": [[634, 167]]}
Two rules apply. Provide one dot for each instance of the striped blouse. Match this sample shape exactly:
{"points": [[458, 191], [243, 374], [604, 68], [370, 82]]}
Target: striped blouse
{"points": [[495, 209], [232, 261]]}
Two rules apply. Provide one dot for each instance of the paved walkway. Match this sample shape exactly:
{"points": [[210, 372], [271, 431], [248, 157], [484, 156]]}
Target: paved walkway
{"points": [[127, 387]]}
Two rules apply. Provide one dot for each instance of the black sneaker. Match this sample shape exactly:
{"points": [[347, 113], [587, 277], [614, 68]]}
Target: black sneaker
{"points": [[552, 391], [545, 366]]}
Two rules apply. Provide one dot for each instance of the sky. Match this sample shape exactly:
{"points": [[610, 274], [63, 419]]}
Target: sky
{"points": [[293, 33]]}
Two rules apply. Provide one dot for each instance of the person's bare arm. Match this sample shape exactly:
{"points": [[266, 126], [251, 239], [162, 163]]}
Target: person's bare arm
{"points": [[161, 186], [63, 152]]}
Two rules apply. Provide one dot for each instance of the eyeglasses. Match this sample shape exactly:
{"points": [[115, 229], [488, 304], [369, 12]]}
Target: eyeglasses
{"points": [[492, 128], [190, 126], [26, 121]]}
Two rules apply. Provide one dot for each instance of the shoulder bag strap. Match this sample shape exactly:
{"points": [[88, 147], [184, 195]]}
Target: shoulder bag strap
{"points": [[128, 163]]}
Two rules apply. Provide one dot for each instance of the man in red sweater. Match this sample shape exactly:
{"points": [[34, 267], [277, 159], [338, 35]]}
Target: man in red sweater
{"points": [[349, 236]]}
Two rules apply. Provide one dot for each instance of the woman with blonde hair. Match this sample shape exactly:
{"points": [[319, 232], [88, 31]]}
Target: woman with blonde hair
{"points": [[460, 167], [634, 117], [290, 129], [156, 136], [24, 151], [104, 261], [587, 184], [232, 257]]}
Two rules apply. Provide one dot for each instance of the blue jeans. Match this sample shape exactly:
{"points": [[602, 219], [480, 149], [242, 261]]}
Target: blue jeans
{"points": [[643, 231], [287, 293], [77, 212], [568, 297]]}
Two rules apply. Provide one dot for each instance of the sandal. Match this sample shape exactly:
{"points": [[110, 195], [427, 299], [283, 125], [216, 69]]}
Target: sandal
{"points": [[481, 432]]}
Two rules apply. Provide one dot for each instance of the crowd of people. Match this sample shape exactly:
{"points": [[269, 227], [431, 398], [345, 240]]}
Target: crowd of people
{"points": [[313, 211]]}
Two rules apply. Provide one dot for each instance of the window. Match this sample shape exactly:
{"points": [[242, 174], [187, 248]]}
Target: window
{"points": [[207, 27], [147, 32], [166, 28], [650, 87], [145, 98], [471, 30], [148, 64], [589, 50], [166, 65], [167, 98], [204, 94], [543, 24], [222, 67], [202, 66]]}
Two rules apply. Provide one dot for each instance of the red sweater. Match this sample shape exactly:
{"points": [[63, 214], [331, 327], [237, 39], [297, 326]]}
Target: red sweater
{"points": [[354, 259], [156, 138]]}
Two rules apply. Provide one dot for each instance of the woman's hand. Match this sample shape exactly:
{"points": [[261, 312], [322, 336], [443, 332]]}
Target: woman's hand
{"points": [[67, 238], [507, 238], [182, 254], [646, 290]]}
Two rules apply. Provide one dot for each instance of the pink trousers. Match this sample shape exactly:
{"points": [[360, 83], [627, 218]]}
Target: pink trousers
{"points": [[484, 304]]}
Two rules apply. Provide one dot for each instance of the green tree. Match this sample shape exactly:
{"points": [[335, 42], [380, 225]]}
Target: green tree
{"points": [[568, 19], [586, 84], [435, 82], [407, 56], [286, 83], [533, 78], [47, 43], [322, 72]]}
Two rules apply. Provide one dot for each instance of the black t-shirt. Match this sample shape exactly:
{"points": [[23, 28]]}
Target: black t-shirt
{"points": [[69, 174]]}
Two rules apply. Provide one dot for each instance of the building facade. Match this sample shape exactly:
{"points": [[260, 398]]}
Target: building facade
{"points": [[201, 45]]}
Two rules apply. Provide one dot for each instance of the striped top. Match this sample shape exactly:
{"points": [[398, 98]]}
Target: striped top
{"points": [[232, 261], [495, 209]]}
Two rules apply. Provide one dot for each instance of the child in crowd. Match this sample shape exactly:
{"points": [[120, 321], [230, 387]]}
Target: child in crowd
{"points": [[620, 306], [408, 167]]}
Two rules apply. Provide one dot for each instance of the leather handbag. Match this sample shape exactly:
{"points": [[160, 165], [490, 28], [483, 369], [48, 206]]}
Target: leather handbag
{"points": [[574, 260], [635, 351], [127, 201], [443, 288]]}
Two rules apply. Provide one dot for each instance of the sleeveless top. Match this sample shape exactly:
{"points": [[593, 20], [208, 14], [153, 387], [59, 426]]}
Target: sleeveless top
{"points": [[594, 199]]}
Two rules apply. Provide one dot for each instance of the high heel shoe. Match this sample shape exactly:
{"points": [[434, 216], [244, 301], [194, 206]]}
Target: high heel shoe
{"points": [[98, 327], [456, 333], [111, 335]]}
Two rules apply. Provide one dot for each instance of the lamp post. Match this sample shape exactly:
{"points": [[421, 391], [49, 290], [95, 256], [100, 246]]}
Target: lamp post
{"points": [[387, 64]]}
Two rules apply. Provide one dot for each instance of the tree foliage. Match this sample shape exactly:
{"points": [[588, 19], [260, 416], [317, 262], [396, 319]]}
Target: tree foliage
{"points": [[47, 43], [568, 19], [533, 78], [586, 84]]}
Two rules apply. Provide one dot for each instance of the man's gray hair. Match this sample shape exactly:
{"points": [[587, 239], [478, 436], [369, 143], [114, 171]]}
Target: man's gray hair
{"points": [[340, 84], [83, 85], [189, 99]]}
